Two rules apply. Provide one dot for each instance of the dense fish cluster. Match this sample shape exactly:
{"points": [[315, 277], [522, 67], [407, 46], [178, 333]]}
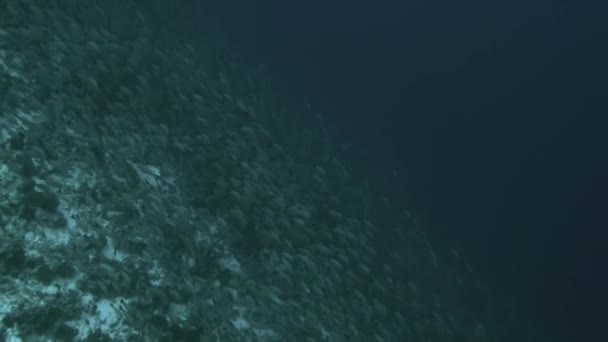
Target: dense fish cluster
{"points": [[149, 197]]}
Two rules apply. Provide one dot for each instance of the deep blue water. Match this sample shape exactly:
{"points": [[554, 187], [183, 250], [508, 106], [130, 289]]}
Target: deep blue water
{"points": [[488, 117]]}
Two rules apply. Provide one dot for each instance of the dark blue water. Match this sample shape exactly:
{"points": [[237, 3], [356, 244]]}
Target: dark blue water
{"points": [[488, 117]]}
